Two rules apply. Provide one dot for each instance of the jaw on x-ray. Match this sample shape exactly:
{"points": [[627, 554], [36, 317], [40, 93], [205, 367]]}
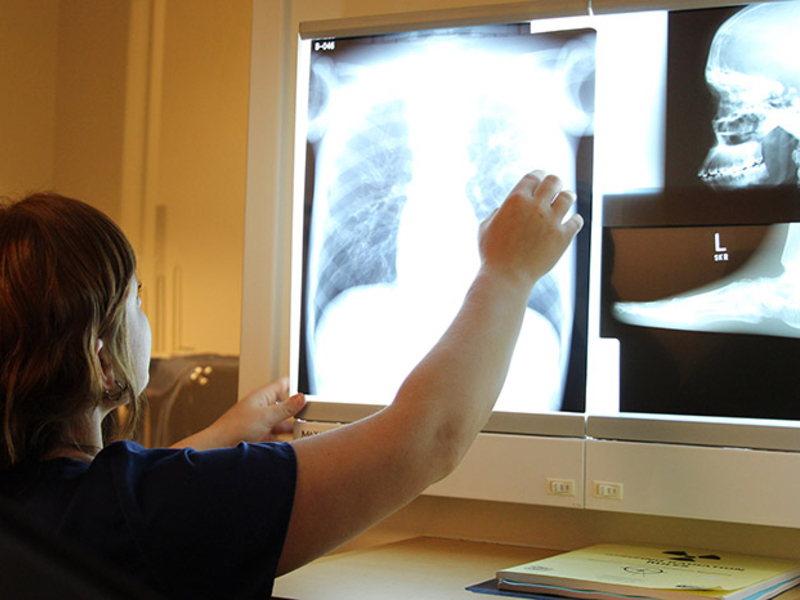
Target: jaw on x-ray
{"points": [[409, 151], [753, 71]]}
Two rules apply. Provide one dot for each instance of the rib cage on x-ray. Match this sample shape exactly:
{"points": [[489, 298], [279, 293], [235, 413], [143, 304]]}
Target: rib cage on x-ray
{"points": [[491, 151], [364, 206], [406, 156], [368, 195]]}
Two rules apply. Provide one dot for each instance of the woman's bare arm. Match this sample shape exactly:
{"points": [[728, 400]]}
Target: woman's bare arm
{"points": [[354, 476], [260, 416]]}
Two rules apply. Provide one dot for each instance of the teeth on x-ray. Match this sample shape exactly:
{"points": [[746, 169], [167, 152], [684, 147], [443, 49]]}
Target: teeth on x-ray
{"points": [[753, 69]]}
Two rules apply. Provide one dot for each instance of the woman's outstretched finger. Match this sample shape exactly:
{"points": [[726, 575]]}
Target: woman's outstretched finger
{"points": [[563, 202]]}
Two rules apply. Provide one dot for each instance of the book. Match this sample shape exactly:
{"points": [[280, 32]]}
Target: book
{"points": [[634, 571]]}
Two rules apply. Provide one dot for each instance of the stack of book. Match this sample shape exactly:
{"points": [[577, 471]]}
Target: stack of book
{"points": [[626, 571]]}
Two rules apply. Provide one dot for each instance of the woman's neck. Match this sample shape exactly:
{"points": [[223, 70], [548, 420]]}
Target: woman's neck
{"points": [[79, 453], [88, 439]]}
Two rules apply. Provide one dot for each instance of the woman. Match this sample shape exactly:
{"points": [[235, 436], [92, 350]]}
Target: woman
{"points": [[223, 522]]}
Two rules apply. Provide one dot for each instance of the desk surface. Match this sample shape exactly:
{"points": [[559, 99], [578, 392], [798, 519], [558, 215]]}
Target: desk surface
{"points": [[421, 567]]}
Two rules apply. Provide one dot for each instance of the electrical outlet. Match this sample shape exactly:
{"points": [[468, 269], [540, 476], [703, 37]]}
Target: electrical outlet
{"points": [[608, 490], [560, 487]]}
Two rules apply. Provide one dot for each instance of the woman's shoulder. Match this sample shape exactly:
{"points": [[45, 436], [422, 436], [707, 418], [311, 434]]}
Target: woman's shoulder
{"points": [[131, 450], [127, 459]]}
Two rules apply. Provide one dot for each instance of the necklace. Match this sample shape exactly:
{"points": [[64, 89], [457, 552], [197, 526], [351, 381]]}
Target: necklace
{"points": [[79, 452]]}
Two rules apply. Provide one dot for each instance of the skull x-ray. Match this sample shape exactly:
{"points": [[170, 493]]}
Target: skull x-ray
{"points": [[412, 140], [753, 70]]}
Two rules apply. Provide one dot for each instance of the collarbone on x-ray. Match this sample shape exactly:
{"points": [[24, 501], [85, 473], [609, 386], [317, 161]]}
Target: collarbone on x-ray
{"points": [[410, 154]]}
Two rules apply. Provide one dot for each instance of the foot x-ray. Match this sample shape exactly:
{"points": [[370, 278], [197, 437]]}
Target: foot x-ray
{"points": [[704, 301], [412, 140], [760, 297]]}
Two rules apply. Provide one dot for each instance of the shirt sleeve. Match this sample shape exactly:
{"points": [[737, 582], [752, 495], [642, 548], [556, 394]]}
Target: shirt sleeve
{"points": [[209, 524]]}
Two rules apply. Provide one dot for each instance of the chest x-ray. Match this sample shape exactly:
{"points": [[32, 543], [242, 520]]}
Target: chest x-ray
{"points": [[412, 140]]}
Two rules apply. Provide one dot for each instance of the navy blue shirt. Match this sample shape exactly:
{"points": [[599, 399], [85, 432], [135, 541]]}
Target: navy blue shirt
{"points": [[189, 524]]}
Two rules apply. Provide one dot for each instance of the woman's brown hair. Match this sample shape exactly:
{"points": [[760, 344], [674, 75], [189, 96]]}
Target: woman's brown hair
{"points": [[65, 272]]}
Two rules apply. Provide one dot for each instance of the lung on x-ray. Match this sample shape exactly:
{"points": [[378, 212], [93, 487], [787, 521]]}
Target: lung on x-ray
{"points": [[412, 140]]}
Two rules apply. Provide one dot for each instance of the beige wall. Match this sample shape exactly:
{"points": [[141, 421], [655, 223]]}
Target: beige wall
{"points": [[140, 108], [201, 171], [28, 45], [90, 101]]}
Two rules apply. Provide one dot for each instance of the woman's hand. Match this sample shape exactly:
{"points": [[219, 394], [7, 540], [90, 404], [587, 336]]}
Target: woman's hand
{"points": [[529, 232], [258, 417]]}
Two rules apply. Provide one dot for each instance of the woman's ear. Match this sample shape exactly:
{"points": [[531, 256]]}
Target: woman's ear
{"points": [[106, 372]]}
